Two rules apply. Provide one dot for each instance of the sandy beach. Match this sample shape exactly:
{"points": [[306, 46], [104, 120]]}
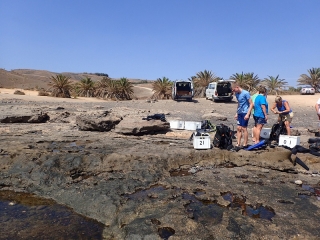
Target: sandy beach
{"points": [[297, 102]]}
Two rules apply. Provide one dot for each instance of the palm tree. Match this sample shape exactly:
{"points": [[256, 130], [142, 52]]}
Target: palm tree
{"points": [[61, 86], [201, 82], [202, 79], [85, 87], [313, 79], [162, 88], [192, 78], [274, 84], [241, 80], [125, 88], [252, 81], [113, 90], [102, 87]]}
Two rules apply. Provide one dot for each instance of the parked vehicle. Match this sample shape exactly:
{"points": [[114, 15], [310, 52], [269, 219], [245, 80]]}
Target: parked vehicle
{"points": [[220, 90], [182, 89], [307, 90]]}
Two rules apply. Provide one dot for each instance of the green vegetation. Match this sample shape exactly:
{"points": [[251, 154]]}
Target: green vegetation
{"points": [[248, 81], [101, 90], [162, 88], [294, 90], [252, 81], [125, 89], [61, 86], [312, 80], [85, 88], [114, 89], [274, 84], [107, 88], [201, 81]]}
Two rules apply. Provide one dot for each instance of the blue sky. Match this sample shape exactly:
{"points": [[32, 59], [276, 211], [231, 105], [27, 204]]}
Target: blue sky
{"points": [[150, 39]]}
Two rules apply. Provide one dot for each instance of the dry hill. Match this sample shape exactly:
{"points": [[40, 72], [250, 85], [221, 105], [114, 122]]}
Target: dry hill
{"points": [[30, 79]]}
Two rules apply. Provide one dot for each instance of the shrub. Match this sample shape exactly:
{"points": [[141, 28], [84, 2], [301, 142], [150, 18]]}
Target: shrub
{"points": [[43, 93], [18, 92]]}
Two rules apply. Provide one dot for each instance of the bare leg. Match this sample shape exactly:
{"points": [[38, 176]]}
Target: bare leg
{"points": [[287, 127], [253, 137], [245, 136], [258, 131], [254, 134], [239, 135]]}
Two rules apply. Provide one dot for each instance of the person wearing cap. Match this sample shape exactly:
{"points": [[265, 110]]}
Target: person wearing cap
{"points": [[282, 108]]}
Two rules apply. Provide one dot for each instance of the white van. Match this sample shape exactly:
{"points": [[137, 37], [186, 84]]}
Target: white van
{"points": [[182, 89], [220, 90]]}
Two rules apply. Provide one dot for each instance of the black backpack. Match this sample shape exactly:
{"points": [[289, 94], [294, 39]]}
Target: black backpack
{"points": [[223, 137], [207, 125], [157, 116], [277, 130], [314, 144]]}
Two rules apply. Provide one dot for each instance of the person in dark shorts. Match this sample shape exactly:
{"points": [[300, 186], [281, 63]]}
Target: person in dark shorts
{"points": [[244, 102], [260, 112]]}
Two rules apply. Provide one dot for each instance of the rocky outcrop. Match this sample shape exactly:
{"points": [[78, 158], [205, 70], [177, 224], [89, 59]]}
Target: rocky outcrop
{"points": [[34, 118], [97, 121], [158, 186], [58, 117], [138, 126], [214, 117], [128, 184]]}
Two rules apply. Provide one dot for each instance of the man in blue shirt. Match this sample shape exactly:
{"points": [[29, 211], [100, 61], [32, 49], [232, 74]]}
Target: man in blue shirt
{"points": [[244, 102], [260, 116]]}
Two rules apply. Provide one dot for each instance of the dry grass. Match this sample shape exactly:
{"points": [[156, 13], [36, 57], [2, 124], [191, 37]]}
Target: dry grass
{"points": [[43, 93]]}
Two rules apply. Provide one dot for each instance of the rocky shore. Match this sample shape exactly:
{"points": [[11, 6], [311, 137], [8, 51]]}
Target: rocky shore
{"points": [[143, 180]]}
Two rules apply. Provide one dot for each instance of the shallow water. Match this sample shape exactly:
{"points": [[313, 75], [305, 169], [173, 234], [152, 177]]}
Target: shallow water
{"points": [[25, 216]]}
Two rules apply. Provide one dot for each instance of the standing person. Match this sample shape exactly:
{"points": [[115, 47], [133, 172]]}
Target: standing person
{"points": [[317, 106], [253, 98], [244, 101], [284, 111], [260, 112]]}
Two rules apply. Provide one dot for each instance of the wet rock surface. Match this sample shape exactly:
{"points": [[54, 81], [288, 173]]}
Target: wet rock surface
{"points": [[157, 186], [24, 216]]}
